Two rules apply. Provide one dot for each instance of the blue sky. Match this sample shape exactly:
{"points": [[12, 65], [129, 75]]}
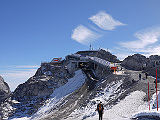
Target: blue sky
{"points": [[32, 31]]}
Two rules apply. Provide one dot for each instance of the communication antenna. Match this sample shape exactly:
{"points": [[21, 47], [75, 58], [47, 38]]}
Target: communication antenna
{"points": [[90, 46]]}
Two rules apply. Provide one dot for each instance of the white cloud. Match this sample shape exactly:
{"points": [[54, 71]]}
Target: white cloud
{"points": [[121, 56], [84, 35], [145, 39], [20, 74], [147, 42], [152, 50], [105, 21], [15, 75], [27, 66]]}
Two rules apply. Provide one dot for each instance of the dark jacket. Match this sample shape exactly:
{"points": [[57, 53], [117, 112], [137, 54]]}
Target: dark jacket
{"points": [[100, 107]]}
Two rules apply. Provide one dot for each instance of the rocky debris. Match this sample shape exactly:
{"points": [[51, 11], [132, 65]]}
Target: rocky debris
{"points": [[135, 62], [4, 89], [7, 109]]}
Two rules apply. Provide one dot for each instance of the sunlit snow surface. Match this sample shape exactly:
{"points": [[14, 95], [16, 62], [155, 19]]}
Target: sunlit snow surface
{"points": [[153, 108], [109, 93], [123, 110]]}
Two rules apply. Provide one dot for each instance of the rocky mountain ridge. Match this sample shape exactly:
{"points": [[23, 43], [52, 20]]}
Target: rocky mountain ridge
{"points": [[36, 90], [142, 63], [31, 95]]}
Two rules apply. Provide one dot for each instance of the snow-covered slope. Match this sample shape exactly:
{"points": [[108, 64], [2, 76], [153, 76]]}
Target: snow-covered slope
{"points": [[122, 97], [105, 96], [60, 93], [125, 108], [132, 106], [153, 108]]}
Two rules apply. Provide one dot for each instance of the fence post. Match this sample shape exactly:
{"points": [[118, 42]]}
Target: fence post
{"points": [[148, 96], [156, 90]]}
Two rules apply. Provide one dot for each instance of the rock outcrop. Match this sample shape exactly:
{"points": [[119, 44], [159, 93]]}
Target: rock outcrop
{"points": [[39, 87], [135, 62], [153, 65], [100, 54], [5, 102], [36, 90], [4, 89], [140, 62], [106, 56], [47, 78]]}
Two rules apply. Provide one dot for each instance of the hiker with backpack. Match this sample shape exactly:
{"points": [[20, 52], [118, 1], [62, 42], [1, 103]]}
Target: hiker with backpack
{"points": [[139, 76], [146, 75], [100, 110]]}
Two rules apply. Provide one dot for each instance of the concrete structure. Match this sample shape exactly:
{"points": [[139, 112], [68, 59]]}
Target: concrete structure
{"points": [[87, 52], [71, 67], [74, 65], [82, 60]]}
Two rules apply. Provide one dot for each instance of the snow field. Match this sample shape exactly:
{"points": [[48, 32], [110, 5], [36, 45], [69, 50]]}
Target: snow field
{"points": [[125, 108], [121, 111], [153, 108], [109, 93]]}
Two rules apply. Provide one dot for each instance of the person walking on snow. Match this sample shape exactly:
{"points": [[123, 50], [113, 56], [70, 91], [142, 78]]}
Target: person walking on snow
{"points": [[146, 75], [139, 76], [100, 110]]}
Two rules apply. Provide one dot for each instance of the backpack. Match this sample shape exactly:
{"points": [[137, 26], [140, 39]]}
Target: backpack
{"points": [[100, 107]]}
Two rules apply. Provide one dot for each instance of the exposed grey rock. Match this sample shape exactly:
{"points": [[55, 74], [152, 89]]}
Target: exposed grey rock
{"points": [[106, 56], [140, 62], [39, 87], [5, 106], [4, 89], [154, 57], [154, 63], [47, 78], [135, 62], [33, 93]]}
